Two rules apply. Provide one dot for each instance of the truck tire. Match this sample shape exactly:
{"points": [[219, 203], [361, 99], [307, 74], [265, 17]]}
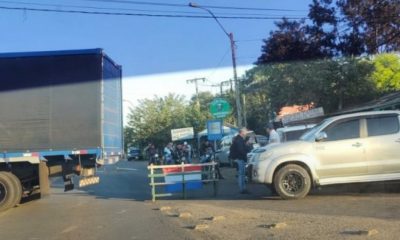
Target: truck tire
{"points": [[17, 187], [292, 182], [9, 191]]}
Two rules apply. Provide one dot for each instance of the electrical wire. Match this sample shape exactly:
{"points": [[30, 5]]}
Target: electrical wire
{"points": [[205, 6], [219, 63], [249, 40], [192, 14], [138, 10], [136, 14], [91, 7]]}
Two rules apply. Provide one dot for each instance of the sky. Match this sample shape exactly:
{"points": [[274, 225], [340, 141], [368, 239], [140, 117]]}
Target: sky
{"points": [[157, 54]]}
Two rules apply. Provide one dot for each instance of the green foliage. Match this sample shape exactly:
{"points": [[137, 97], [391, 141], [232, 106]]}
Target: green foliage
{"points": [[387, 72], [373, 25], [199, 114], [230, 97], [153, 119], [335, 28], [333, 84], [129, 139]]}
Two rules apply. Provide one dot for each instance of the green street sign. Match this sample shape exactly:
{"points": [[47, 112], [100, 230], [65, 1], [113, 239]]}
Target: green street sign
{"points": [[220, 108]]}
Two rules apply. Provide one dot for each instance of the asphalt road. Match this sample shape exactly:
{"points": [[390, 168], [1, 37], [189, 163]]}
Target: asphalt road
{"points": [[120, 207], [371, 200], [114, 209]]}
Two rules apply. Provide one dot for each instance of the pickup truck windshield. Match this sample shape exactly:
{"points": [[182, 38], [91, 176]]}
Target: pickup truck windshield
{"points": [[310, 134]]}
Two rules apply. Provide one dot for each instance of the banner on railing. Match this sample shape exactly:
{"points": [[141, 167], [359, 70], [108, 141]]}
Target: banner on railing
{"points": [[174, 177]]}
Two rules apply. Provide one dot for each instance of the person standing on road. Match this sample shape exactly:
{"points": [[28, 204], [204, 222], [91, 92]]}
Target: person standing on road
{"points": [[238, 152], [168, 154], [152, 152], [188, 152], [203, 148], [273, 135]]}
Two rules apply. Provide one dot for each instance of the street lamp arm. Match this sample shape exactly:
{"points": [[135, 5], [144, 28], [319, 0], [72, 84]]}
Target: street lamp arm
{"points": [[194, 5], [232, 43]]}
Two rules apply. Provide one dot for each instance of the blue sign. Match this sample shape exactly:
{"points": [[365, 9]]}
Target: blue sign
{"points": [[215, 129]]}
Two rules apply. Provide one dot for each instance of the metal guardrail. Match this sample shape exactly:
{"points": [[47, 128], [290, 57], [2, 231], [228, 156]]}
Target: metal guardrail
{"points": [[208, 174]]}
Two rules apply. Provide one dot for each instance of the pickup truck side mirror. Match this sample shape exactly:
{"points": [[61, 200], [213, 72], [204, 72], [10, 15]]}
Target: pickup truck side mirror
{"points": [[321, 136]]}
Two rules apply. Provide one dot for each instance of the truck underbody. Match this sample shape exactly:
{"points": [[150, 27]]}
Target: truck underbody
{"points": [[23, 176]]}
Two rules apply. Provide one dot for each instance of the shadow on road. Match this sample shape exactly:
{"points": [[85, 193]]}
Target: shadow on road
{"points": [[128, 181]]}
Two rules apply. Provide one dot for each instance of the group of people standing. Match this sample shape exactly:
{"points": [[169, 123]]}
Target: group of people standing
{"points": [[171, 154], [241, 146], [175, 154]]}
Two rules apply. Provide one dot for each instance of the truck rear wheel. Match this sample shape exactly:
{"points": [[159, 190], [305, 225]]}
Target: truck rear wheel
{"points": [[17, 187], [292, 182], [10, 190]]}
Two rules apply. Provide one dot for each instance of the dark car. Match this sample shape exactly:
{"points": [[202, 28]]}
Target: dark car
{"points": [[134, 154]]}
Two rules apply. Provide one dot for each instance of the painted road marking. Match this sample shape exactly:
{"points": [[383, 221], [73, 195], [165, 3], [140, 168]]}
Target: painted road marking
{"points": [[127, 169]]}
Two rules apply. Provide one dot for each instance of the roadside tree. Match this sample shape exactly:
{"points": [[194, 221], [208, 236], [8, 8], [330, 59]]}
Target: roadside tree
{"points": [[153, 119], [387, 72]]}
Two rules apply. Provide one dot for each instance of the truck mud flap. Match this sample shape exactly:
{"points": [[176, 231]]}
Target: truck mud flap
{"points": [[44, 179], [87, 181], [67, 174], [68, 184]]}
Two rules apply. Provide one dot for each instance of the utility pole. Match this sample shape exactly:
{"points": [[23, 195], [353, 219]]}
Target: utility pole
{"points": [[233, 50], [224, 83], [244, 109], [195, 80], [237, 84]]}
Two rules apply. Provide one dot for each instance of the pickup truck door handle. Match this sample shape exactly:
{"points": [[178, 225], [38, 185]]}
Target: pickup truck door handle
{"points": [[356, 144]]}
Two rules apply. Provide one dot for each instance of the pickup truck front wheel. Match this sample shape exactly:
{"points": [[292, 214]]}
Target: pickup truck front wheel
{"points": [[292, 182]]}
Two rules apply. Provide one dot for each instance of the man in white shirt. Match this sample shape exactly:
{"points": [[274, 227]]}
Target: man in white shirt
{"points": [[273, 135]]}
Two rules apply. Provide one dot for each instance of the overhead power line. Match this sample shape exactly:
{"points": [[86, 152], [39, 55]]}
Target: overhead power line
{"points": [[135, 9], [137, 14], [250, 40], [206, 6], [219, 63], [89, 7]]}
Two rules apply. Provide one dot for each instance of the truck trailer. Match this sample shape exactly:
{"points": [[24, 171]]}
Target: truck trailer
{"points": [[60, 115]]}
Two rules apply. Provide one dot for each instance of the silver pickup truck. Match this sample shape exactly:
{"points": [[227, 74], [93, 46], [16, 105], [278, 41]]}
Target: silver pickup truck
{"points": [[360, 147]]}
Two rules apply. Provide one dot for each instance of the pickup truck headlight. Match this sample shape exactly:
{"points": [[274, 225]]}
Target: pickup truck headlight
{"points": [[265, 155], [260, 150]]}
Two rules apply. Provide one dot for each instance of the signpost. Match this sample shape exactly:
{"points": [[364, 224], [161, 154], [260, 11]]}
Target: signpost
{"points": [[215, 129], [220, 108], [182, 133]]}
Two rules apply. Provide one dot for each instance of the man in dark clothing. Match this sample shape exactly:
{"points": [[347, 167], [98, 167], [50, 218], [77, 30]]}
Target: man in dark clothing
{"points": [[151, 153], [238, 152]]}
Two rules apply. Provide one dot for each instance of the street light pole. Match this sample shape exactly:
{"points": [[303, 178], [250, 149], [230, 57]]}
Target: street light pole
{"points": [[233, 50]]}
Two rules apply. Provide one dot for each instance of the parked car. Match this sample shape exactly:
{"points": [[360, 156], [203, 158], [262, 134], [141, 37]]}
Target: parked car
{"points": [[290, 133], [222, 152], [134, 154], [359, 147]]}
